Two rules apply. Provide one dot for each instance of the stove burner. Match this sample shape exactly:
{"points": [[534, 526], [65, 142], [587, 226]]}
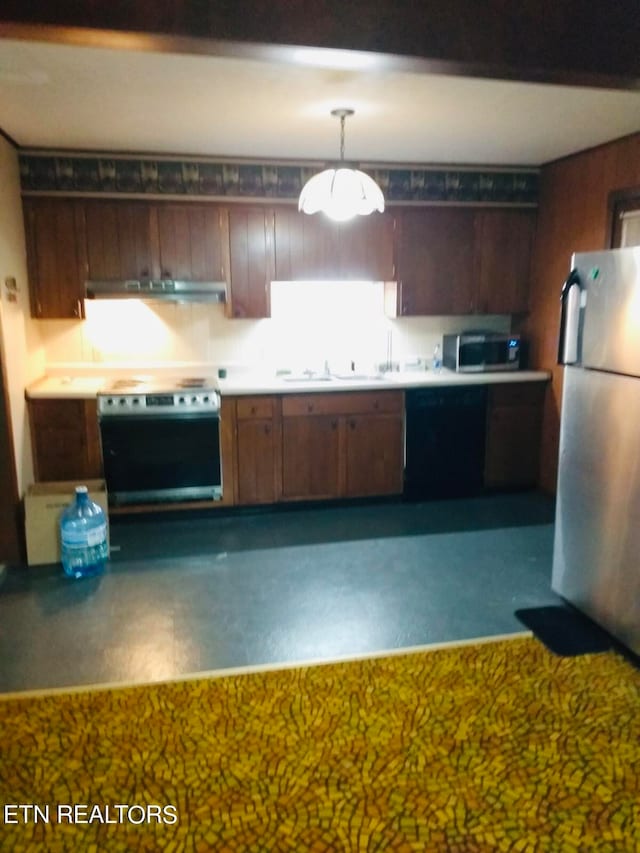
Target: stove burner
{"points": [[123, 384], [192, 382]]}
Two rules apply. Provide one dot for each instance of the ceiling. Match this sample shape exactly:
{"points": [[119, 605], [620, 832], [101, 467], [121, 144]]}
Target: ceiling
{"points": [[87, 98]]}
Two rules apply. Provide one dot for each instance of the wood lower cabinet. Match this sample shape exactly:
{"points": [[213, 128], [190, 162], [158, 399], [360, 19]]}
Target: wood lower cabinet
{"points": [[514, 425], [65, 439], [342, 445], [258, 445], [310, 457], [374, 455]]}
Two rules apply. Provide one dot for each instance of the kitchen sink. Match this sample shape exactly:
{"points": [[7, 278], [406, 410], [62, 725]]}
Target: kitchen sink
{"points": [[359, 377], [319, 378]]}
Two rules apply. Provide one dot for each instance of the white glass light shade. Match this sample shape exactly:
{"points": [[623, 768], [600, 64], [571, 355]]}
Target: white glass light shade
{"points": [[342, 194]]}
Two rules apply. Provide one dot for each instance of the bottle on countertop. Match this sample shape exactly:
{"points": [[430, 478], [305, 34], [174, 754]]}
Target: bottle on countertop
{"points": [[83, 536], [436, 361]]}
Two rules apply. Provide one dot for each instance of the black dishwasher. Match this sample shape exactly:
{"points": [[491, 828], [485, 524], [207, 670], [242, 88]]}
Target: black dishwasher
{"points": [[445, 442]]}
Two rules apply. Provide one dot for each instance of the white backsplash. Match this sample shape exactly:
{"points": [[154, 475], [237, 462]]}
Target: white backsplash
{"points": [[311, 322]]}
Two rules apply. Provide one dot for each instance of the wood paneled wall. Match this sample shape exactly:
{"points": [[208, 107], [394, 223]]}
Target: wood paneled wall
{"points": [[573, 216]]}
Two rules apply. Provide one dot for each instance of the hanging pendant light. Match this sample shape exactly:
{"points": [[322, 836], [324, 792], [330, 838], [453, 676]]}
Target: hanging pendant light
{"points": [[341, 192]]}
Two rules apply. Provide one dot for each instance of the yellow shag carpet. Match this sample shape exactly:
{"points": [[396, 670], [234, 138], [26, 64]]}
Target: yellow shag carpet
{"points": [[483, 747]]}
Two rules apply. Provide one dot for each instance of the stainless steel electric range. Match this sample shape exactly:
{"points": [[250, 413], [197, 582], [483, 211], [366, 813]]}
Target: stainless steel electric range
{"points": [[161, 439]]}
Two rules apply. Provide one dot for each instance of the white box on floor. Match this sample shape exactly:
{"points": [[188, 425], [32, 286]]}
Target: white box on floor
{"points": [[43, 505]]}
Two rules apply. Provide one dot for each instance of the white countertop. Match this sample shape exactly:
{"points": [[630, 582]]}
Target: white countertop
{"points": [[86, 387], [408, 379]]}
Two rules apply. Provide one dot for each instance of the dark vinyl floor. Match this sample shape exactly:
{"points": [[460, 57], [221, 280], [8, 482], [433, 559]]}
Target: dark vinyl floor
{"points": [[187, 594]]}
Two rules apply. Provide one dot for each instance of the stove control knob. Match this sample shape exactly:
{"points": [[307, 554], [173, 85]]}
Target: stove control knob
{"points": [[110, 401], [136, 401], [181, 400], [123, 402], [194, 399], [205, 399]]}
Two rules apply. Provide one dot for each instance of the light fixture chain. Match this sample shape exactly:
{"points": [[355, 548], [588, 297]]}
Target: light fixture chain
{"points": [[342, 118]]}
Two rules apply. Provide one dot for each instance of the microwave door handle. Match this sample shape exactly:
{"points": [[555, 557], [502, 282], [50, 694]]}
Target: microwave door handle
{"points": [[570, 300]]}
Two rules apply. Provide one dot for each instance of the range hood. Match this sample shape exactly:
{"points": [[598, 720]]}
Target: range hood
{"points": [[158, 290]]}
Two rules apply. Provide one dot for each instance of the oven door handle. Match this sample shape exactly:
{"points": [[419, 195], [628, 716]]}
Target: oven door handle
{"points": [[153, 417]]}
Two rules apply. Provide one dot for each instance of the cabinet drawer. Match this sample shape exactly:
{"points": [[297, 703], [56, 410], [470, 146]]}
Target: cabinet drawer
{"points": [[348, 403], [248, 408], [517, 394]]}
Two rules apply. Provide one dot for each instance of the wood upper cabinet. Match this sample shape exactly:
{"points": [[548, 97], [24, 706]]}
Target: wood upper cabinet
{"points": [[315, 247], [504, 244], [193, 242], [252, 261], [142, 240], [342, 444], [454, 260], [258, 444], [121, 240], [56, 257], [434, 261], [65, 439], [514, 425]]}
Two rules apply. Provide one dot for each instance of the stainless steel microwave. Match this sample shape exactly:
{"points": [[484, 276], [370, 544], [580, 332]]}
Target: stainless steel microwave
{"points": [[476, 352]]}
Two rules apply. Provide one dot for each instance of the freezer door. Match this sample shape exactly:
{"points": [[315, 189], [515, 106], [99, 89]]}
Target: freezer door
{"points": [[611, 335], [596, 555]]}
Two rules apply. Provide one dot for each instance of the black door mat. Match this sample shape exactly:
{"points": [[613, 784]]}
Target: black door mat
{"points": [[565, 631]]}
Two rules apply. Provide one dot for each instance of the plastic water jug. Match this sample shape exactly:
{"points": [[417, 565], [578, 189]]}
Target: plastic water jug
{"points": [[83, 536]]}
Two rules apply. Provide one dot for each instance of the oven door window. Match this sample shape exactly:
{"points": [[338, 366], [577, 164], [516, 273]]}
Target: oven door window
{"points": [[153, 454]]}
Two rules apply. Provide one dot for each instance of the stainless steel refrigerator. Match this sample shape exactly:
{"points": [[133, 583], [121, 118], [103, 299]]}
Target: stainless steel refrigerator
{"points": [[596, 555]]}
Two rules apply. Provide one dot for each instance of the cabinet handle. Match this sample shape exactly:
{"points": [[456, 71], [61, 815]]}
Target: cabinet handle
{"points": [[334, 424], [376, 404], [267, 429], [253, 410], [165, 274], [144, 273], [77, 311], [352, 424], [310, 407]]}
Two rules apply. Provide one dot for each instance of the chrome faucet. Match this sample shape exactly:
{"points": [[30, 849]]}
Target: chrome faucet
{"points": [[327, 370]]}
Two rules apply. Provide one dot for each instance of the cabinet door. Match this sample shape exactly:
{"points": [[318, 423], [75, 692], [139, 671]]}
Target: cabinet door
{"points": [[194, 242], [514, 423], [121, 240], [56, 257], [256, 453], [374, 455], [314, 247], [504, 242], [65, 439], [365, 248], [306, 247], [252, 261], [435, 253], [310, 457], [258, 449]]}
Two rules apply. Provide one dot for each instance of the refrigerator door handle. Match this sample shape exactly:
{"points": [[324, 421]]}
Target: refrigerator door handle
{"points": [[570, 303]]}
